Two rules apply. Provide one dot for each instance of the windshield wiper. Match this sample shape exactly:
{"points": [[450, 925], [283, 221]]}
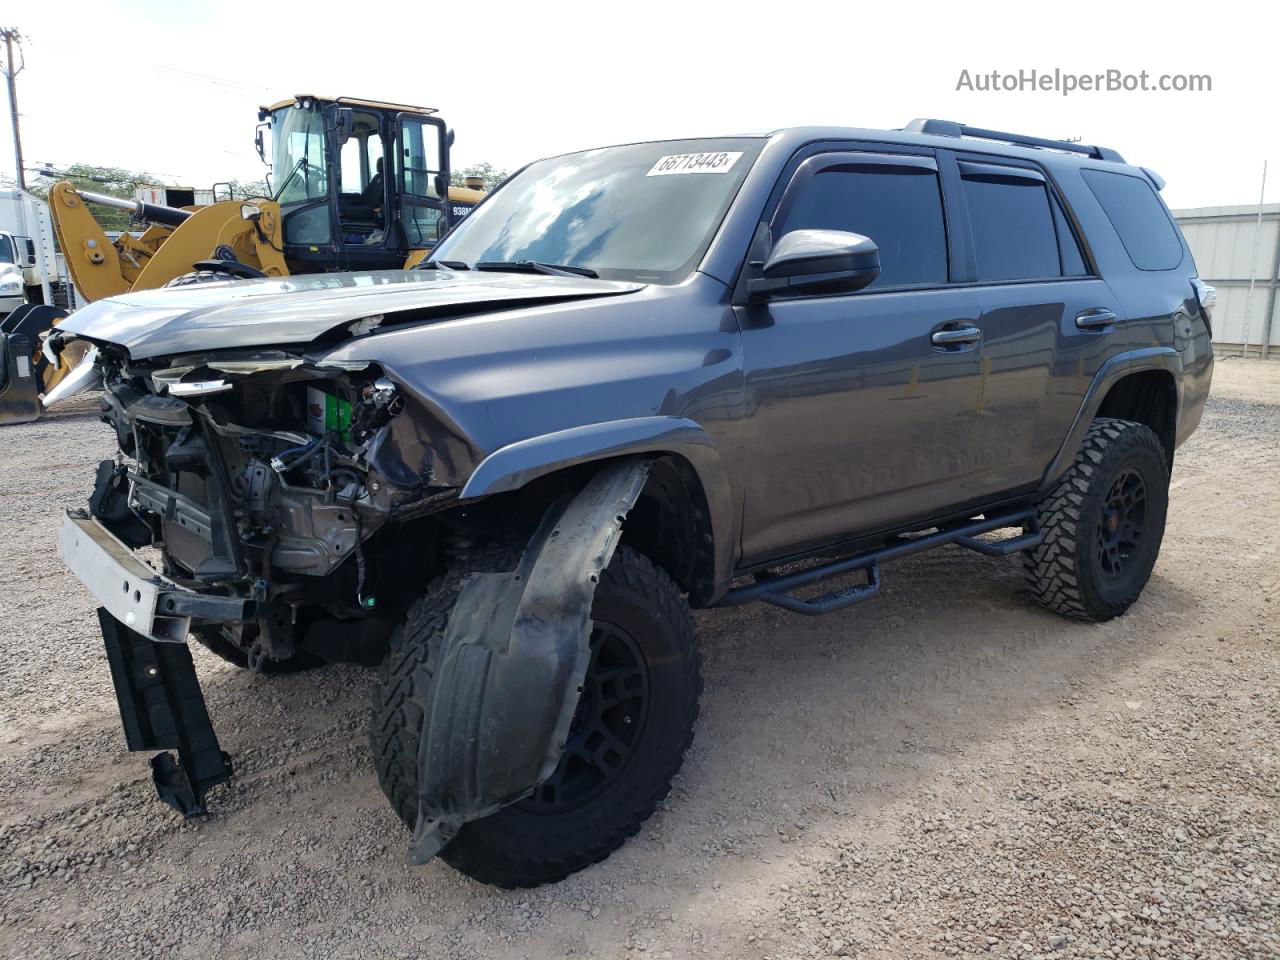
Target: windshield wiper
{"points": [[536, 266], [448, 265], [303, 163]]}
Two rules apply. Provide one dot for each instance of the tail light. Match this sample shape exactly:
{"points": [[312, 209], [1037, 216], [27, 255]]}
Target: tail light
{"points": [[1207, 297]]}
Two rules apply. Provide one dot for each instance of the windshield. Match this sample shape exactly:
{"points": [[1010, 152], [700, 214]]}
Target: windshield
{"points": [[297, 155], [6, 249], [643, 212]]}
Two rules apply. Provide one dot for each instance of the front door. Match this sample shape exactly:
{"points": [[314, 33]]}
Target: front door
{"points": [[865, 409], [421, 186]]}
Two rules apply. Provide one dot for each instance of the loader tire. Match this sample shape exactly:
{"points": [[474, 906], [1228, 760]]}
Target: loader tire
{"points": [[629, 736], [1102, 524], [201, 276]]}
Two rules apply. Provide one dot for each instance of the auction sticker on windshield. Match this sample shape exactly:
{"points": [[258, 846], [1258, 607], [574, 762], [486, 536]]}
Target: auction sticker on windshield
{"points": [[694, 163]]}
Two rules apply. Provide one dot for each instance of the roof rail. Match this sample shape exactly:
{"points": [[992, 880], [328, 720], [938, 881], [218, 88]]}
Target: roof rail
{"points": [[946, 128]]}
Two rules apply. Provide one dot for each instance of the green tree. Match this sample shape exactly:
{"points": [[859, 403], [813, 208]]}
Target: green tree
{"points": [[113, 181], [491, 175], [248, 189]]}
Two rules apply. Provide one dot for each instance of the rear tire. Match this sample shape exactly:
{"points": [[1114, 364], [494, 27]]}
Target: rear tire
{"points": [[633, 726], [1102, 524]]}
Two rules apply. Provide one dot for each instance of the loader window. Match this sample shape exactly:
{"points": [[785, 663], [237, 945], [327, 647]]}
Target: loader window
{"points": [[361, 160], [419, 159], [298, 157]]}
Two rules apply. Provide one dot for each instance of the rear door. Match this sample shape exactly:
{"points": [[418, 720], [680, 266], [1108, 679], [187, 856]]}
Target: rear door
{"points": [[421, 179], [1045, 316]]}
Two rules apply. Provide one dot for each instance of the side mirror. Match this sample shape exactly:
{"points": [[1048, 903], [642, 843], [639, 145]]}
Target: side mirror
{"points": [[258, 142], [817, 261], [344, 124]]}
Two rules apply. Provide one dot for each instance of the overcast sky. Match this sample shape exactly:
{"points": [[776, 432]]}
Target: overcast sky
{"points": [[173, 87]]}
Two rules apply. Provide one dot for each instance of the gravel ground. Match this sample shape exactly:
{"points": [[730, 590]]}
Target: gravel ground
{"points": [[947, 771]]}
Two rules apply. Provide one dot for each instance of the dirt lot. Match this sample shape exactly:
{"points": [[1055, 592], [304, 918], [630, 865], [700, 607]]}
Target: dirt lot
{"points": [[946, 771]]}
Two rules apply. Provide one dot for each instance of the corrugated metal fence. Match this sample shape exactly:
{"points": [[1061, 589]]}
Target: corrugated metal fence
{"points": [[1226, 243]]}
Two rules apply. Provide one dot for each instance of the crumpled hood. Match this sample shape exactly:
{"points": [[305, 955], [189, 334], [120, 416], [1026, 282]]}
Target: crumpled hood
{"points": [[298, 310]]}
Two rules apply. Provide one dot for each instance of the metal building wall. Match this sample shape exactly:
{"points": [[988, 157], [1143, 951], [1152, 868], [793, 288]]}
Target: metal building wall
{"points": [[1222, 241]]}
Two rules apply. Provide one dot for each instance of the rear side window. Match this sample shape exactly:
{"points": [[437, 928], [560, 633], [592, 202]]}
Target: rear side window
{"points": [[1014, 234], [1068, 248], [1148, 235], [900, 208]]}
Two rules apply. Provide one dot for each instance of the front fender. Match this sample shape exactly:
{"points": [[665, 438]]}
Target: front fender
{"points": [[512, 663], [513, 466]]}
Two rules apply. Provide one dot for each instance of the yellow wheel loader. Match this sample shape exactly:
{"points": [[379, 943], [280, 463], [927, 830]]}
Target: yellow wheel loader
{"points": [[358, 185]]}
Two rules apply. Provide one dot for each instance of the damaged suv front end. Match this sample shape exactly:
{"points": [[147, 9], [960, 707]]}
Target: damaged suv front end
{"points": [[429, 470], [260, 474], [279, 499], [281, 505]]}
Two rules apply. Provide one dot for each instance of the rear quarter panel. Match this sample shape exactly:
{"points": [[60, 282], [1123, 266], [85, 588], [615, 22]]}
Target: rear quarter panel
{"points": [[1159, 308]]}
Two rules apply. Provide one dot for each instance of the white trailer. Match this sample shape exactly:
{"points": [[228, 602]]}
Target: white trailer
{"points": [[29, 254]]}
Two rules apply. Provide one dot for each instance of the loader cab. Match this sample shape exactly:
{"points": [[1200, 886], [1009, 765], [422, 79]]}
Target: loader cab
{"points": [[361, 184]]}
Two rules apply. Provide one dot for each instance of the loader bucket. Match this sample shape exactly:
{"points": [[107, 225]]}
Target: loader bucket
{"points": [[24, 372], [19, 385]]}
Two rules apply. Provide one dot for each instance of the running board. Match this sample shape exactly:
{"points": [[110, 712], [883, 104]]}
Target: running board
{"points": [[776, 589]]}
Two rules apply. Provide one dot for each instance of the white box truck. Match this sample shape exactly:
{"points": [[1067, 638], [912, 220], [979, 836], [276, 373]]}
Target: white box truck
{"points": [[31, 268]]}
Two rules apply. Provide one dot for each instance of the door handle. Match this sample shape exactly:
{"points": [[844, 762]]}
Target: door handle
{"points": [[956, 336], [1095, 317]]}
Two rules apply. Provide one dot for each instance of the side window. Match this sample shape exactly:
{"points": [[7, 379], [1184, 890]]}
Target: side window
{"points": [[419, 158], [898, 207], [1072, 258], [421, 224], [1148, 235], [354, 171], [1014, 235]]}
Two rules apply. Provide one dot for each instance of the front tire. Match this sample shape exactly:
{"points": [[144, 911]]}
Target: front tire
{"points": [[628, 739], [1102, 524]]}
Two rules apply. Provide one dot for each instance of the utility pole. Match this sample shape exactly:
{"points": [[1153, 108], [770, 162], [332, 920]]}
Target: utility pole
{"points": [[11, 72]]}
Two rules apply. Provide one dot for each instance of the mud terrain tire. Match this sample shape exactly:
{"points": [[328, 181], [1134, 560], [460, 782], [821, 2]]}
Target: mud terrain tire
{"points": [[1102, 523], [583, 813]]}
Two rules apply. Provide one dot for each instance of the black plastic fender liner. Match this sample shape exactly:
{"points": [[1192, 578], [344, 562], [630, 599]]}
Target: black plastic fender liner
{"points": [[161, 705], [513, 660]]}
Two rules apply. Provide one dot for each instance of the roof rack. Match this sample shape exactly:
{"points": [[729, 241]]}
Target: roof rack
{"points": [[946, 128]]}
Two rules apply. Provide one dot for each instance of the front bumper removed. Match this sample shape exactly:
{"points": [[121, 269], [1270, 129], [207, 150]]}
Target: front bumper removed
{"points": [[131, 591], [145, 619], [161, 706]]}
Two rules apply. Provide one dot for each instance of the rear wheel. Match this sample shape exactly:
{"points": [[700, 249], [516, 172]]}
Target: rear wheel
{"points": [[1102, 524], [627, 740]]}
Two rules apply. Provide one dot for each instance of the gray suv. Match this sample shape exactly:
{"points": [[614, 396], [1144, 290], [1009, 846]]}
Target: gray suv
{"points": [[635, 380]]}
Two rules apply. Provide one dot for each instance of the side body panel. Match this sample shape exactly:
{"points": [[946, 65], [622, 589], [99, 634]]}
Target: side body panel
{"points": [[1163, 326], [855, 420]]}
